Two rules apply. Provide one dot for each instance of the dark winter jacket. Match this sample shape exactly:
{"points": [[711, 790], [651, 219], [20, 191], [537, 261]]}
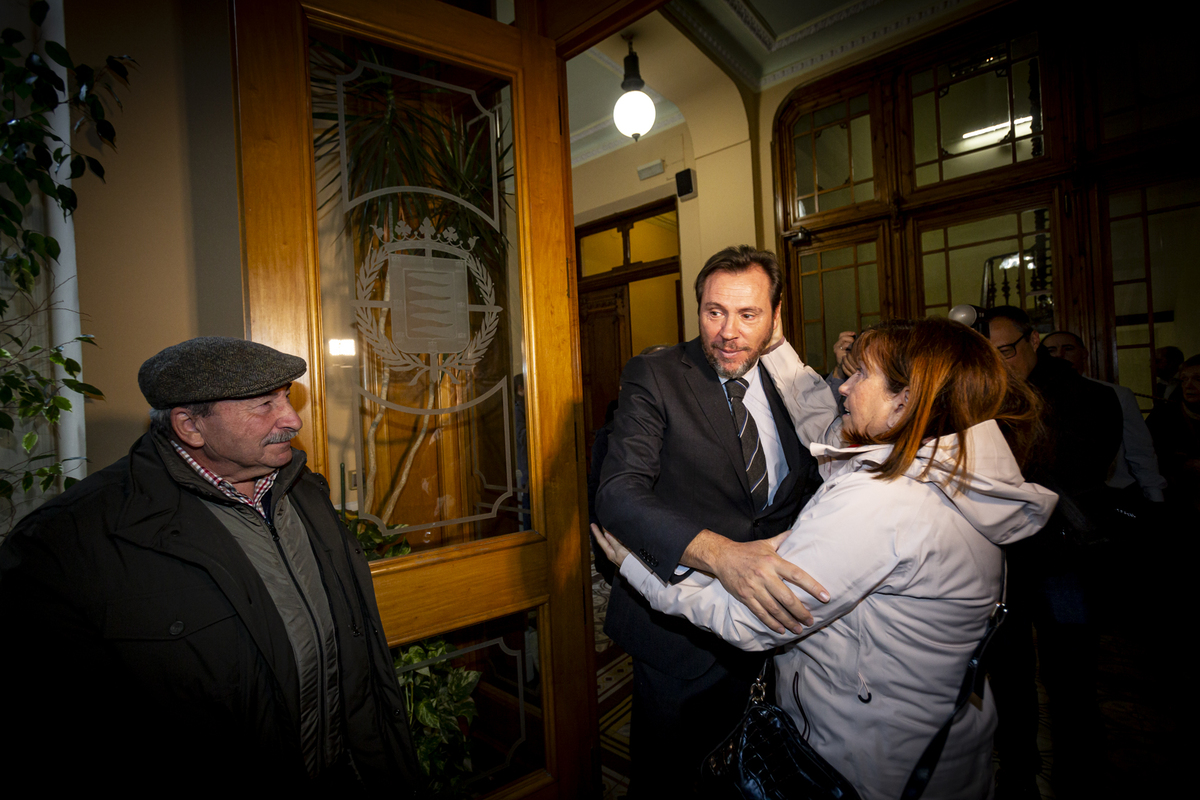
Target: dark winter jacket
{"points": [[141, 647]]}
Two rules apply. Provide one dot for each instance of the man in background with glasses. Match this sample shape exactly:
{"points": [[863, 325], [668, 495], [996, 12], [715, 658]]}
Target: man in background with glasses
{"points": [[1049, 572]]}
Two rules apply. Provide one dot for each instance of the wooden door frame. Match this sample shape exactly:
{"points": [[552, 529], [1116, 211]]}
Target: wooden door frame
{"points": [[450, 587]]}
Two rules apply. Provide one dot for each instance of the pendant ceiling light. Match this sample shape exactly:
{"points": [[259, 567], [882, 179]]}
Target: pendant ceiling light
{"points": [[634, 112]]}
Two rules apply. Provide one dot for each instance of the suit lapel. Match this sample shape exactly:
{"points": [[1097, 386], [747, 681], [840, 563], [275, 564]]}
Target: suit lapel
{"points": [[710, 396]]}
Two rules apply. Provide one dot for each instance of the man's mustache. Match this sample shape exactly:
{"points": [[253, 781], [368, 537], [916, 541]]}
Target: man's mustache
{"points": [[279, 437]]}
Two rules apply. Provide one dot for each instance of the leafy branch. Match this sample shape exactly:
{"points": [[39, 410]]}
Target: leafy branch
{"points": [[32, 155]]}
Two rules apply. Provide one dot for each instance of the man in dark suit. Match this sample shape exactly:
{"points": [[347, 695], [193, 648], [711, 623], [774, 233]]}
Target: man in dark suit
{"points": [[703, 464]]}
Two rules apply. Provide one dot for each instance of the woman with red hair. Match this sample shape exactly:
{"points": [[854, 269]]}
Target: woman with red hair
{"points": [[921, 488]]}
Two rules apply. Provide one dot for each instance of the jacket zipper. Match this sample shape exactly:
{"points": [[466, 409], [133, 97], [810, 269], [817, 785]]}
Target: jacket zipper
{"points": [[321, 673]]}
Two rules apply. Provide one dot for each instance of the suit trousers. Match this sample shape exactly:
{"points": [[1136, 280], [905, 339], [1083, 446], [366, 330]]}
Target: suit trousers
{"points": [[676, 723]]}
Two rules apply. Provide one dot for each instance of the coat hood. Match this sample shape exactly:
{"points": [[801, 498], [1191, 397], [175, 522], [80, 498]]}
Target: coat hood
{"points": [[991, 494]]}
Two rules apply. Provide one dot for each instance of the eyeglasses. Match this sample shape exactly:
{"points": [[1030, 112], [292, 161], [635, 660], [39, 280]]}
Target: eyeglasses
{"points": [[1009, 350]]}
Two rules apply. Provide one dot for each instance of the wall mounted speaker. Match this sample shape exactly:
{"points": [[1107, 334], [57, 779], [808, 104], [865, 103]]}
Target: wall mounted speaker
{"points": [[685, 184]]}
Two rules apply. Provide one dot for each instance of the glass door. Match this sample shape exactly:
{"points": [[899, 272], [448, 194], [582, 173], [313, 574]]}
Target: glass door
{"points": [[397, 160]]}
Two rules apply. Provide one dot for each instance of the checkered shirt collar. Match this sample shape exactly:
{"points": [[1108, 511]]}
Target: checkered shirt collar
{"points": [[261, 486]]}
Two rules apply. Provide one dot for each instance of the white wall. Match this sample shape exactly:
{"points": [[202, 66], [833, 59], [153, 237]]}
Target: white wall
{"points": [[158, 245]]}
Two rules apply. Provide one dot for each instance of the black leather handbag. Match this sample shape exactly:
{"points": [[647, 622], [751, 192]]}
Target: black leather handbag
{"points": [[767, 758]]}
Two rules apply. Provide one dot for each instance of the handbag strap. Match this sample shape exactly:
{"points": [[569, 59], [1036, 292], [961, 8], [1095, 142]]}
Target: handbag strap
{"points": [[972, 683]]}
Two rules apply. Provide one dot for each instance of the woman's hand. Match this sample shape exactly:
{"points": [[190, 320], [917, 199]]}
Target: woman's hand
{"points": [[612, 548]]}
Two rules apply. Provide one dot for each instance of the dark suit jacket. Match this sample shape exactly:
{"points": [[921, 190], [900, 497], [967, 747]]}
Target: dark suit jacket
{"points": [[674, 467]]}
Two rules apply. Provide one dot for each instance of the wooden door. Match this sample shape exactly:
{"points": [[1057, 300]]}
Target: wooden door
{"points": [[604, 345], [456, 417]]}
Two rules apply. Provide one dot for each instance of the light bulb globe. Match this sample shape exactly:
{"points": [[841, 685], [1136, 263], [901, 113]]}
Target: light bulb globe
{"points": [[634, 114]]}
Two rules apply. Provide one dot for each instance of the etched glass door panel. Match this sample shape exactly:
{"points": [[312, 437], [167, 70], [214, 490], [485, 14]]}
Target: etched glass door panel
{"points": [[420, 295]]}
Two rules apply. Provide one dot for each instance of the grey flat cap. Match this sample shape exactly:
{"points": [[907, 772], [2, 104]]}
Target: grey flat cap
{"points": [[215, 368]]}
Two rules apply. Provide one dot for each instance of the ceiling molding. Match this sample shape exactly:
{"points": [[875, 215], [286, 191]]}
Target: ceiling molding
{"points": [[886, 30], [771, 41], [724, 49], [734, 59]]}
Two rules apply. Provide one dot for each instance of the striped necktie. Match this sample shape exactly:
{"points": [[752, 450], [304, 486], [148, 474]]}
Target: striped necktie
{"points": [[752, 452]]}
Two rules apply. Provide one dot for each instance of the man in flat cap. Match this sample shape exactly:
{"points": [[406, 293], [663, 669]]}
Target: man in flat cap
{"points": [[196, 611]]}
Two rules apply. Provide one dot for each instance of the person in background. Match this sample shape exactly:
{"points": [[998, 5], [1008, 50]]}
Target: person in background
{"points": [[1135, 462], [1175, 427], [1049, 572]]}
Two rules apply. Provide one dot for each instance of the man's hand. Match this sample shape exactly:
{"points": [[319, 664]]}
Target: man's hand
{"points": [[841, 349], [754, 573], [611, 546]]}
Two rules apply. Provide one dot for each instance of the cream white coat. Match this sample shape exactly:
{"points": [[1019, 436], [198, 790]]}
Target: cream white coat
{"points": [[913, 571]]}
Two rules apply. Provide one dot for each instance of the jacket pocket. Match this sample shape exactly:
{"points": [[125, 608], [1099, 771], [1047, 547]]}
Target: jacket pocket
{"points": [[168, 615]]}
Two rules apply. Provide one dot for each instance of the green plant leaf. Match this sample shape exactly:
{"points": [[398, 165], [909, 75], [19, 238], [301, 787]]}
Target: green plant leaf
{"points": [[59, 53], [96, 167], [6, 422], [78, 167], [67, 199], [82, 388], [38, 11], [29, 441]]}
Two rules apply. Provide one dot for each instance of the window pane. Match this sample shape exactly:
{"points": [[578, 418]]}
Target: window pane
{"points": [[971, 266], [1132, 335], [993, 228], [832, 259], [934, 271], [1129, 303], [811, 296], [651, 318], [838, 198], [833, 157], [809, 263], [803, 125], [829, 114], [866, 252], [1128, 249], [804, 166], [1037, 220], [814, 346], [974, 113], [864, 191], [1172, 194], [933, 240], [859, 104], [1135, 371], [654, 238], [925, 147], [426, 416], [969, 164], [1174, 242], [868, 288], [841, 307], [860, 144], [1029, 148], [1027, 98], [600, 252], [922, 81], [1124, 203], [927, 175]]}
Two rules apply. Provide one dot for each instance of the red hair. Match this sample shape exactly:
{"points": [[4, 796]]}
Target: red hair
{"points": [[955, 379]]}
